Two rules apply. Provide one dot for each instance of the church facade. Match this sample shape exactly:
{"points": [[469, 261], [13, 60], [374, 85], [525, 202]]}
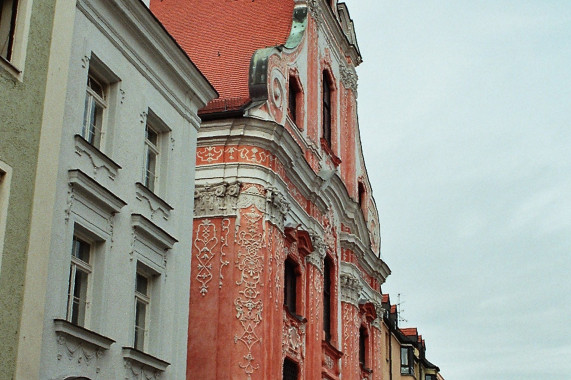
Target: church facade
{"points": [[286, 268]]}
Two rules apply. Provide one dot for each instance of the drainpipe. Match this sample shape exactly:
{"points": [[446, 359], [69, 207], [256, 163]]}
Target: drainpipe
{"points": [[390, 354]]}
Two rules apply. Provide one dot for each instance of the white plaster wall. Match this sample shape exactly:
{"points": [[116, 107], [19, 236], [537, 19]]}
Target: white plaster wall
{"points": [[111, 312]]}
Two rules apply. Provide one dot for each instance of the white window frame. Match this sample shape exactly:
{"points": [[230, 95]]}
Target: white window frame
{"points": [[151, 169], [5, 179], [155, 180], [145, 300], [14, 63], [95, 108], [77, 264]]}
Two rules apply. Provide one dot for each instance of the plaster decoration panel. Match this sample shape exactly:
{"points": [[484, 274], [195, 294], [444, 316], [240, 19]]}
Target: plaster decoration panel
{"points": [[209, 155], [319, 251], [223, 246], [93, 160], [293, 337], [318, 286], [350, 289], [81, 357], [155, 205], [205, 244], [249, 305], [254, 155], [216, 200], [349, 77], [136, 371]]}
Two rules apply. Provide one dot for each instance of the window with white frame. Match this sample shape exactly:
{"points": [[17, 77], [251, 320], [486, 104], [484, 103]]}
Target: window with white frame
{"points": [[406, 361], [152, 151], [93, 113], [155, 152], [142, 309], [8, 13], [79, 278]]}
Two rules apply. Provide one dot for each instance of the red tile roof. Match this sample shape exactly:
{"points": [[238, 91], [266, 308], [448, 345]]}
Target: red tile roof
{"points": [[220, 36], [410, 331]]}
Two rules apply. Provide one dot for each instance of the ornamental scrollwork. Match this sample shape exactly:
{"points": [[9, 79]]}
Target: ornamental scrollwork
{"points": [[350, 289], [216, 200]]}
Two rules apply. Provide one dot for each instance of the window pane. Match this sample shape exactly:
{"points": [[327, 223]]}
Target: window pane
{"points": [[80, 250], [140, 324], [8, 11], [79, 297], [290, 370], [142, 283]]}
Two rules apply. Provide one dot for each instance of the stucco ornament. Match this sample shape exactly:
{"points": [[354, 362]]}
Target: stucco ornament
{"points": [[350, 288], [205, 248], [293, 337], [216, 200], [319, 251], [79, 353], [248, 304], [349, 77], [137, 371]]}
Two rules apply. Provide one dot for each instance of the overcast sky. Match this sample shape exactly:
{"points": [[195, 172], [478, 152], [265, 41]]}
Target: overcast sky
{"points": [[465, 115]]}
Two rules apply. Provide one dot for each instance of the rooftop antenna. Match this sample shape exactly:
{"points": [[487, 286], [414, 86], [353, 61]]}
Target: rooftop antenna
{"points": [[400, 310]]}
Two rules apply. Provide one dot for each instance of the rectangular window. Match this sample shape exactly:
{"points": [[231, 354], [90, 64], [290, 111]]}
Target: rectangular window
{"points": [[327, 273], [152, 150], [290, 370], [362, 347], [142, 305], [326, 106], [93, 113], [79, 276], [290, 286], [406, 361], [8, 13], [430, 377]]}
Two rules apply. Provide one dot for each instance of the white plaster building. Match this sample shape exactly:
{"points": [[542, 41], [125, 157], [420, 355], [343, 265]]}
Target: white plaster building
{"points": [[117, 262]]}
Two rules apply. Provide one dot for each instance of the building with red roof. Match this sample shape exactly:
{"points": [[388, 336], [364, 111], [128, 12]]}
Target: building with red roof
{"points": [[286, 266]]}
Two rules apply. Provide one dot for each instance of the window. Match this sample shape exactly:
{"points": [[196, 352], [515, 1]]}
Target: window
{"points": [[93, 113], [326, 107], [5, 176], [406, 361], [142, 305], [290, 370], [430, 377], [151, 157], [295, 102], [290, 286], [327, 273], [8, 13], [79, 274], [363, 346]]}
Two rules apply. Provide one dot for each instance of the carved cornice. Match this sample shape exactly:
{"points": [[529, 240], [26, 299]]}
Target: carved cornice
{"points": [[350, 289]]}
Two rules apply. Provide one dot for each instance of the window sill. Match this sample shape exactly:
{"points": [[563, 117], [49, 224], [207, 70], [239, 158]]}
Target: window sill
{"points": [[10, 68], [144, 360], [155, 202], [82, 334], [97, 158]]}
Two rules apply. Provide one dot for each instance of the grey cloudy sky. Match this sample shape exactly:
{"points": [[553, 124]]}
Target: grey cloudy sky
{"points": [[465, 115]]}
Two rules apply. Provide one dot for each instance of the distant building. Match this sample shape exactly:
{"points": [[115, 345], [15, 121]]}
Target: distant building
{"points": [[286, 267], [108, 267]]}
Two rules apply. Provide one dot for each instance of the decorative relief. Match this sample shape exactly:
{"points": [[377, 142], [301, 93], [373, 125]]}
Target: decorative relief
{"points": [[249, 305], [209, 154], [350, 289], [143, 117], [293, 337], [156, 204], [122, 94], [315, 10], [349, 78], [81, 353], [254, 155], [223, 244], [137, 371], [96, 159], [319, 251], [318, 285], [205, 244], [210, 200], [85, 61]]}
